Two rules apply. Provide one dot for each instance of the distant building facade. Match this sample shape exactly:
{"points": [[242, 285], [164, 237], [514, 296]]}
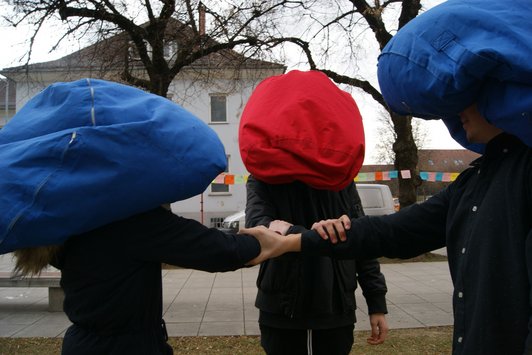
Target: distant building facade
{"points": [[7, 100], [430, 160]]}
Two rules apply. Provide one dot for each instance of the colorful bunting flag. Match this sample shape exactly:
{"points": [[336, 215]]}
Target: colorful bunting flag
{"points": [[220, 179], [432, 176], [239, 179], [405, 174], [229, 179]]}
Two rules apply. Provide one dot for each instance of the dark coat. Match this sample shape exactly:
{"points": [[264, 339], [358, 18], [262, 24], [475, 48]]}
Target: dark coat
{"points": [[302, 292], [485, 219], [112, 278]]}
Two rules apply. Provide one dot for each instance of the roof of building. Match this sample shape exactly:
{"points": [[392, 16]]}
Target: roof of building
{"points": [[109, 54]]}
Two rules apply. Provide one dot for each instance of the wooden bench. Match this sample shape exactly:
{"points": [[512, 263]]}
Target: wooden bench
{"points": [[45, 279]]}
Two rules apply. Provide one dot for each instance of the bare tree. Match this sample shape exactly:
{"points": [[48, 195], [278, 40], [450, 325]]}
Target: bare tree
{"points": [[387, 137], [333, 37], [136, 36]]}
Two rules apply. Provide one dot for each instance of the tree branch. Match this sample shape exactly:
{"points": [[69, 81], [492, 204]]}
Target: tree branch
{"points": [[373, 17]]}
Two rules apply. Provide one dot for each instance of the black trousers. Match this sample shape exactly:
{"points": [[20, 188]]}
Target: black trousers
{"points": [[334, 341]]}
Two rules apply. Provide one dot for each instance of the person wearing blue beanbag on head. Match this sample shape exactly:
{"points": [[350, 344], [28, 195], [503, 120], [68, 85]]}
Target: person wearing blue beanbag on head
{"points": [[467, 62], [86, 167], [483, 218]]}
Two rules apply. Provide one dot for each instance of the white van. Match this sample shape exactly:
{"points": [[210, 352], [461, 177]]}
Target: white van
{"points": [[376, 200]]}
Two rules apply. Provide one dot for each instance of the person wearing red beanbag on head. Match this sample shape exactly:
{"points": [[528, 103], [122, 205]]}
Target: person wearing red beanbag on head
{"points": [[302, 140]]}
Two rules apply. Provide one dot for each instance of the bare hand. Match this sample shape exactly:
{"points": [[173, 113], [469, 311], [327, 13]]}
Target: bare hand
{"points": [[271, 243], [379, 328], [333, 229], [279, 226]]}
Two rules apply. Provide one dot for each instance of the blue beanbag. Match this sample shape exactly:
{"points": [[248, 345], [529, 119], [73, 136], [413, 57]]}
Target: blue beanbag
{"points": [[458, 53], [80, 155]]}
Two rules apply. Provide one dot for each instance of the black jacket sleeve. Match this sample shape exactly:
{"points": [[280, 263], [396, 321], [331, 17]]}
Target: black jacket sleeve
{"points": [[183, 242], [369, 275], [373, 285], [412, 231], [259, 210]]}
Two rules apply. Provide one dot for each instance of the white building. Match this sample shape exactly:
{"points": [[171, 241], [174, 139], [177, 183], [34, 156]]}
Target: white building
{"points": [[7, 100], [215, 88]]}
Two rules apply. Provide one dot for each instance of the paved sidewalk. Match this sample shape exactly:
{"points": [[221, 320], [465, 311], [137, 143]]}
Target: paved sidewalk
{"points": [[201, 303]]}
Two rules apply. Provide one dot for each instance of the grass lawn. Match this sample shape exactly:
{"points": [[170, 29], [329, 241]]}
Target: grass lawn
{"points": [[419, 341]]}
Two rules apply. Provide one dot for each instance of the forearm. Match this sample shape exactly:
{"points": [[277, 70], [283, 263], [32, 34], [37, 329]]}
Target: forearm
{"points": [[272, 244], [178, 241], [222, 252], [405, 234], [293, 243]]}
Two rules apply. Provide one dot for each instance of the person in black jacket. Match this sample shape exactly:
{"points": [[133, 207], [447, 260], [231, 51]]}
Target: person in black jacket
{"points": [[112, 279], [484, 219], [307, 303]]}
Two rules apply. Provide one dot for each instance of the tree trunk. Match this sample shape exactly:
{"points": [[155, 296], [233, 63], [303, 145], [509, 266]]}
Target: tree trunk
{"points": [[159, 85], [406, 158]]}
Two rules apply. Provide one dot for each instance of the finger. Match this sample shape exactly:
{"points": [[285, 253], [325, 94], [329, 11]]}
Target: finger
{"points": [[252, 231], [374, 331], [346, 221], [383, 331], [380, 337], [257, 260], [259, 232], [331, 231], [375, 340], [340, 230], [320, 230], [372, 341]]}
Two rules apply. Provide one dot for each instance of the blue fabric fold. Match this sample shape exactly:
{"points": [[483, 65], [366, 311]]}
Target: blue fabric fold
{"points": [[458, 53]]}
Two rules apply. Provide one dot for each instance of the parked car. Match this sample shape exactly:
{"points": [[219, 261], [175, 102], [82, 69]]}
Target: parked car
{"points": [[234, 222], [376, 200]]}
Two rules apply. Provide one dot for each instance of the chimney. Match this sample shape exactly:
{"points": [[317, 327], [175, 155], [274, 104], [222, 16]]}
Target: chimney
{"points": [[201, 20]]}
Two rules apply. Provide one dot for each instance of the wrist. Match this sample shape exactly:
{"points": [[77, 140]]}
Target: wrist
{"points": [[294, 242]]}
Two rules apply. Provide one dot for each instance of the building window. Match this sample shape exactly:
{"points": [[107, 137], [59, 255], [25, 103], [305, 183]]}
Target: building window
{"points": [[134, 53], [216, 222], [7, 100], [170, 50], [221, 188], [218, 108]]}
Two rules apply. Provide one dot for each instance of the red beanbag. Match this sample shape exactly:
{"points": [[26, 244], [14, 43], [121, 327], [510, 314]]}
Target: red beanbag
{"points": [[301, 126]]}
